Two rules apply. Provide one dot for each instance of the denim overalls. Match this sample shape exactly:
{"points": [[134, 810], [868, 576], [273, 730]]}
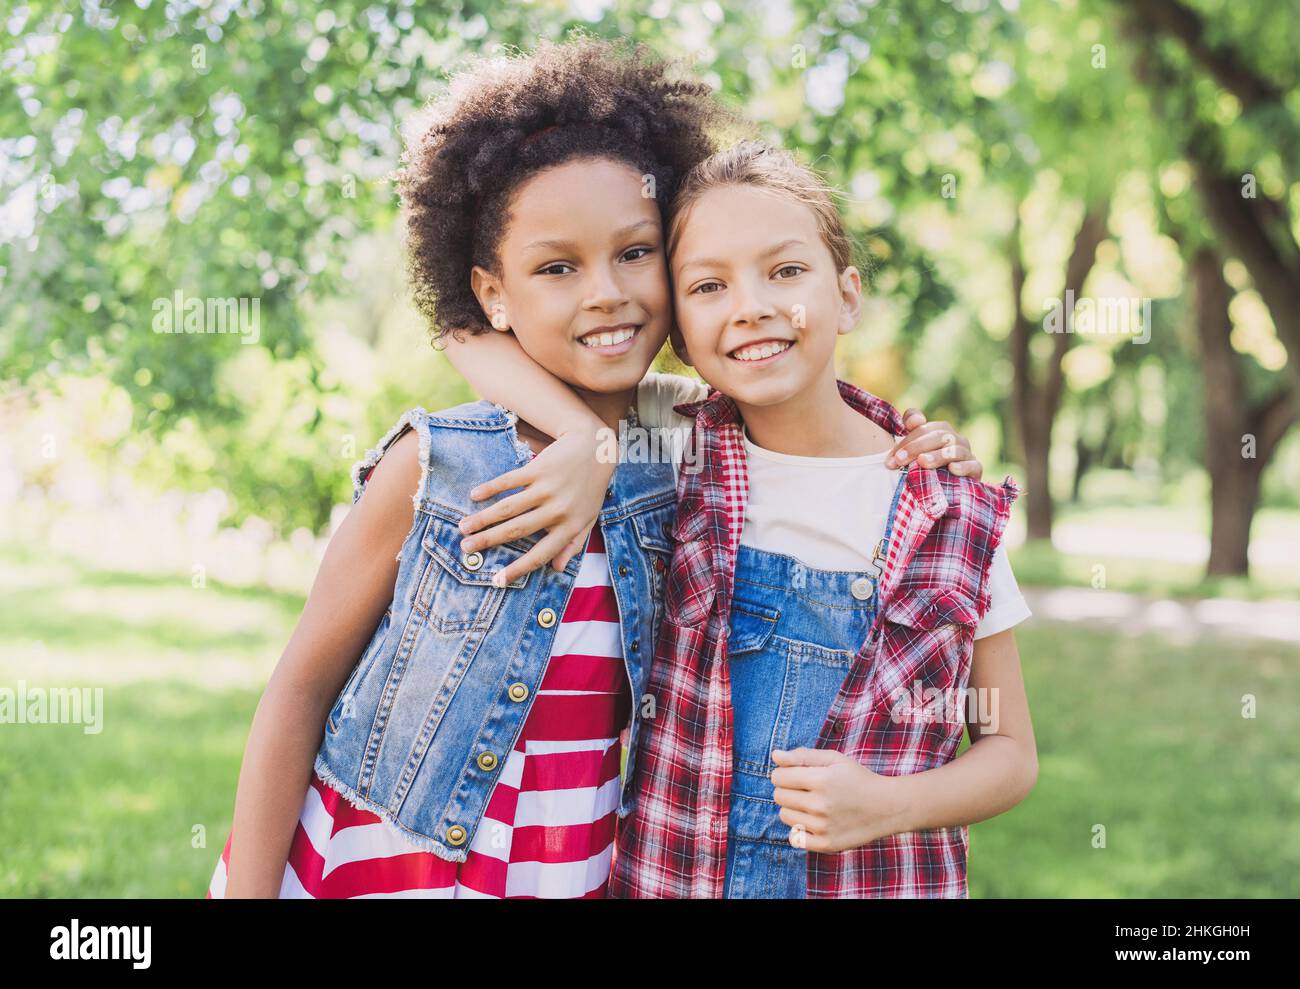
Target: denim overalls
{"points": [[793, 635]]}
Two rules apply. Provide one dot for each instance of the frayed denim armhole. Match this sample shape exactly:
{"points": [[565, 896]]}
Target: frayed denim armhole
{"points": [[523, 452], [415, 419]]}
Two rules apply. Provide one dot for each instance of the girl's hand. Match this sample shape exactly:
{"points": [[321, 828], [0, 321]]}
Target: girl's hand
{"points": [[563, 492], [934, 444], [833, 802]]}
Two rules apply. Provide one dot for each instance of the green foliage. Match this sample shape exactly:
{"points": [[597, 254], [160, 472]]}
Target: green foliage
{"points": [[242, 151]]}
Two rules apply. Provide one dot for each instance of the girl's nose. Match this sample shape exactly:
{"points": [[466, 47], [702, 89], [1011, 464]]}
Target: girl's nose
{"points": [[751, 307], [604, 291]]}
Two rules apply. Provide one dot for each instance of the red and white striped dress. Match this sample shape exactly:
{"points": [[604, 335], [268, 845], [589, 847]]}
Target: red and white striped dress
{"points": [[548, 830]]}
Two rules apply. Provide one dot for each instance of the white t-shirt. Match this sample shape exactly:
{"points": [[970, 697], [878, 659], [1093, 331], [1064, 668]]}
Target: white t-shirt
{"points": [[840, 504], [830, 513]]}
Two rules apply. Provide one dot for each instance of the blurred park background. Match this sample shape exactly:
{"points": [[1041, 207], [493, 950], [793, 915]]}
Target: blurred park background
{"points": [[1132, 166]]}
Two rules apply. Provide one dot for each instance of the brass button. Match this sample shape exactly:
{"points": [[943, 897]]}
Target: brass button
{"points": [[668, 531], [546, 617], [456, 835], [636, 645], [609, 492], [472, 561], [518, 692], [622, 569], [487, 762], [862, 588]]}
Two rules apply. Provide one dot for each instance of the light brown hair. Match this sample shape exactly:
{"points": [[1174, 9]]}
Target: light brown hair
{"points": [[761, 166]]}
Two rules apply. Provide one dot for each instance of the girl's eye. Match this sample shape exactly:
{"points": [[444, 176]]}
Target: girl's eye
{"points": [[632, 250], [790, 267], [550, 268], [700, 289]]}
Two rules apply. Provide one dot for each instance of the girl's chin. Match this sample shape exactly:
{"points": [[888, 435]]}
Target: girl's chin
{"points": [[609, 380]]}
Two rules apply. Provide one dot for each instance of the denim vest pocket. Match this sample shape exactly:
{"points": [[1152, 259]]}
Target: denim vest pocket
{"points": [[342, 705], [925, 642], [460, 583]]}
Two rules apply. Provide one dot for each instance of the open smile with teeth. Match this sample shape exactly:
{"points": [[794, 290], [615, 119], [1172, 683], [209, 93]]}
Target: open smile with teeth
{"points": [[761, 351], [610, 339]]}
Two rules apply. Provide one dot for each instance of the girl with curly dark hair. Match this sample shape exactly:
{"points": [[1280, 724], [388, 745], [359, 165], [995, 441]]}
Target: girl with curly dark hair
{"points": [[475, 749]]}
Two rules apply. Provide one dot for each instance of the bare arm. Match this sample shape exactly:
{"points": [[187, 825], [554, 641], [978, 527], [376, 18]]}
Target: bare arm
{"points": [[351, 592], [499, 369]]}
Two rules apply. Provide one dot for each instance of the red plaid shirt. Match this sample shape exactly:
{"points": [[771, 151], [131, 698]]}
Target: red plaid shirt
{"points": [[933, 591]]}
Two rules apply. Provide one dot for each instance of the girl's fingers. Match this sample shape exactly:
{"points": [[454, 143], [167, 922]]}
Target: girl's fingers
{"points": [[796, 777], [799, 821], [530, 561], [930, 438], [967, 468], [944, 456], [925, 439], [506, 508], [799, 801], [519, 527], [913, 414], [576, 545], [520, 477]]}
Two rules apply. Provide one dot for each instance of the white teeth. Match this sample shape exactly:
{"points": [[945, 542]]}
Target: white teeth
{"points": [[757, 353], [608, 339]]}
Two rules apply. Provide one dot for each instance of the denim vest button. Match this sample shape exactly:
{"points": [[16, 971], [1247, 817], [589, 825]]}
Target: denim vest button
{"points": [[636, 645], [622, 569], [487, 762], [456, 835], [609, 492], [862, 588], [472, 561], [546, 617], [518, 692]]}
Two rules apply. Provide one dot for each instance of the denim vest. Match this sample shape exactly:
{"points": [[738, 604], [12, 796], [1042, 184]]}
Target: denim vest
{"points": [[422, 728]]}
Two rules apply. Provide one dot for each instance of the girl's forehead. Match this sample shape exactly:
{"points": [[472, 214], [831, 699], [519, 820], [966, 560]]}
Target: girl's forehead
{"points": [[745, 215], [594, 197]]}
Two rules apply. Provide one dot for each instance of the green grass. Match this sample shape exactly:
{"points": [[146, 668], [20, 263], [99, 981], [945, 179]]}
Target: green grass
{"points": [[1136, 735], [142, 808]]}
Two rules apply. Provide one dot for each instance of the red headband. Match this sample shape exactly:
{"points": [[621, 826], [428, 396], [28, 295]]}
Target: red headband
{"points": [[534, 136]]}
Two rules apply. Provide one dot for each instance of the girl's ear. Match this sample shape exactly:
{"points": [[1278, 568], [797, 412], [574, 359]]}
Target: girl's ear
{"points": [[850, 300], [487, 289], [679, 345]]}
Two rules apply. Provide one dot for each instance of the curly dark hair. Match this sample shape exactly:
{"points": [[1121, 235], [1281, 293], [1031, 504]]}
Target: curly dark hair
{"points": [[504, 119]]}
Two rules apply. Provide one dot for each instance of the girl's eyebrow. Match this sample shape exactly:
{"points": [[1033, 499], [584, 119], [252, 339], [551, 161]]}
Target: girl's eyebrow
{"points": [[715, 263], [619, 234]]}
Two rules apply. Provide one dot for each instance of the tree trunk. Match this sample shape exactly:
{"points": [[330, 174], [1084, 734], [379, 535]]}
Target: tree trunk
{"points": [[1240, 439], [1234, 496], [1036, 398]]}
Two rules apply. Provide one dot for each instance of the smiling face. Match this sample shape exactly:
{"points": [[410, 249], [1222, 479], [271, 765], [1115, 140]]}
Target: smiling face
{"points": [[759, 300], [582, 280]]}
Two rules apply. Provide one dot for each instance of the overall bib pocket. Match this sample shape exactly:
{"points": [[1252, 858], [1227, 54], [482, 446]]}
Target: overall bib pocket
{"points": [[780, 691]]}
